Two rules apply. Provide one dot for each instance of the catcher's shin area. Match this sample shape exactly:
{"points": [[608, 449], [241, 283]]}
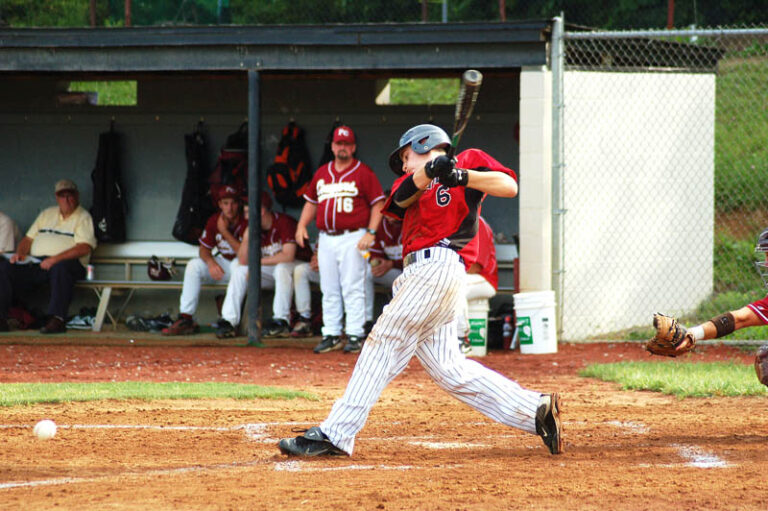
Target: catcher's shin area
{"points": [[761, 364]]}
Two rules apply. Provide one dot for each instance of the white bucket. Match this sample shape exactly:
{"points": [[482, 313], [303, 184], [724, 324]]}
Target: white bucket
{"points": [[477, 316], [536, 331]]}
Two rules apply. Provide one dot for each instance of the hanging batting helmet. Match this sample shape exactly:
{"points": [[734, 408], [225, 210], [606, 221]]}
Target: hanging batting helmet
{"points": [[762, 247], [422, 139]]}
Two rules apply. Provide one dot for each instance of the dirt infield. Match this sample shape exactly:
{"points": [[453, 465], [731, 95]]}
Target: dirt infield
{"points": [[419, 450]]}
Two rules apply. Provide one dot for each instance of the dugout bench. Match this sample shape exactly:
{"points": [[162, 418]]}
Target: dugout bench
{"points": [[132, 256]]}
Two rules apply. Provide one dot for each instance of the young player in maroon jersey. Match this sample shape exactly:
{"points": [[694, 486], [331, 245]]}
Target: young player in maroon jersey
{"points": [[223, 231], [439, 218], [279, 254]]}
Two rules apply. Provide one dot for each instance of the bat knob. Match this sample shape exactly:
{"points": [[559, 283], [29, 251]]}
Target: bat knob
{"points": [[472, 77]]}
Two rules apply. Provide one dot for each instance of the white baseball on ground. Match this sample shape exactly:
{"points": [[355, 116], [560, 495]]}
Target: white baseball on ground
{"points": [[45, 429]]}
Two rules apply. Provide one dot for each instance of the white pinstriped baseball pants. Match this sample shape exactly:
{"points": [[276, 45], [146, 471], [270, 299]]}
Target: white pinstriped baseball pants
{"points": [[420, 320]]}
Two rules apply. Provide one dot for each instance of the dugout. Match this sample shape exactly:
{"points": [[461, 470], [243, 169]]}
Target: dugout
{"points": [[265, 75]]}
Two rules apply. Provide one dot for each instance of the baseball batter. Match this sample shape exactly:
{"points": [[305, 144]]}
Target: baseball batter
{"points": [[439, 203], [345, 199]]}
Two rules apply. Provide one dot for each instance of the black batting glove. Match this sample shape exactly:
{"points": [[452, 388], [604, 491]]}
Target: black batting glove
{"points": [[440, 166], [457, 177]]}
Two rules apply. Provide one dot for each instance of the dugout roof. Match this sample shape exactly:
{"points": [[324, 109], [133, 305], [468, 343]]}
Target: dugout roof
{"points": [[361, 47]]}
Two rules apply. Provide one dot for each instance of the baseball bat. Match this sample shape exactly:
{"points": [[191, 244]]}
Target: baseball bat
{"points": [[468, 91]]}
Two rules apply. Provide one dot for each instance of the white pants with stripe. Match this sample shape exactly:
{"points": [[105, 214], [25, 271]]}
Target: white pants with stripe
{"points": [[342, 282], [195, 275], [278, 277], [420, 321]]}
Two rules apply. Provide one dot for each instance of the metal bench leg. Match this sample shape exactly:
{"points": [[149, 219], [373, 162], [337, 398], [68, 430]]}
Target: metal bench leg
{"points": [[104, 296], [122, 308]]}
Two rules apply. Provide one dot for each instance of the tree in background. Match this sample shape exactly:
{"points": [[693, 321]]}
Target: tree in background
{"points": [[603, 14], [57, 13]]}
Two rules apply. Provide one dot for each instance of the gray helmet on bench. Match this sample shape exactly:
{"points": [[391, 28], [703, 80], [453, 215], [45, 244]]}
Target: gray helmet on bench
{"points": [[422, 139]]}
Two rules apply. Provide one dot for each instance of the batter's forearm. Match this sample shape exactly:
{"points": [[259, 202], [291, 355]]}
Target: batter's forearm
{"points": [[493, 183], [407, 193]]}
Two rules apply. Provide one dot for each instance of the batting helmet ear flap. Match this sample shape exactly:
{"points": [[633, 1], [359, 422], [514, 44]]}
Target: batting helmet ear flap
{"points": [[422, 139]]}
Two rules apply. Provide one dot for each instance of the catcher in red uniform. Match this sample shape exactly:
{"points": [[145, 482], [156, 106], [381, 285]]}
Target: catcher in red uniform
{"points": [[673, 339]]}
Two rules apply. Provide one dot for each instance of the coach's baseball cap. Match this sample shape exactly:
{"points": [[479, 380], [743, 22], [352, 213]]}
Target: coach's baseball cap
{"points": [[344, 134], [64, 185]]}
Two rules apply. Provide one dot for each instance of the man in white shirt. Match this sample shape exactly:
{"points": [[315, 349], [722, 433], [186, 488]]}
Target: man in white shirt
{"points": [[55, 250], [9, 233]]}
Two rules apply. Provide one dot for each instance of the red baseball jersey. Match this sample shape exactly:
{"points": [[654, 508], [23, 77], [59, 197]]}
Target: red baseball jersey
{"points": [[482, 248], [445, 216], [282, 232], [760, 308], [212, 238], [389, 242], [344, 198]]}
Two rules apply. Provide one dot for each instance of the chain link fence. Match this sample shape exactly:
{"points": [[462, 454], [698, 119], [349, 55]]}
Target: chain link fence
{"points": [[663, 181]]}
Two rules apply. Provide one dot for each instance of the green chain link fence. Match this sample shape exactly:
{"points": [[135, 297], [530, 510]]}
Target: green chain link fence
{"points": [[663, 176]]}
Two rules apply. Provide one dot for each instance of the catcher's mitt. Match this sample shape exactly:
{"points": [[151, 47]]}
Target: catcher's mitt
{"points": [[671, 340], [761, 364]]}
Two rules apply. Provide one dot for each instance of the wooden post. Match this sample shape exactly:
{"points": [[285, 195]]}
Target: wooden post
{"points": [[92, 9], [127, 13], [670, 14], [424, 11], [503, 10]]}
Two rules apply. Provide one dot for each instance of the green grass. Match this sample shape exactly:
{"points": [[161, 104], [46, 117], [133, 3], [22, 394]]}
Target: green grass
{"points": [[681, 379], [423, 91], [741, 154], [112, 93], [13, 394]]}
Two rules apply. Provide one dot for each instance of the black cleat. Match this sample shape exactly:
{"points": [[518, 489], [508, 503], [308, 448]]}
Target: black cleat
{"points": [[225, 330], [312, 443], [354, 344], [548, 422], [329, 343]]}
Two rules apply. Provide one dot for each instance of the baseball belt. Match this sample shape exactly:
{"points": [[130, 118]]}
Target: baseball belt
{"points": [[431, 254]]}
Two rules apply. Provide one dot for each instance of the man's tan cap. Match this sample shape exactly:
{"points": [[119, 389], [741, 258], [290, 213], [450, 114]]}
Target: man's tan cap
{"points": [[64, 185]]}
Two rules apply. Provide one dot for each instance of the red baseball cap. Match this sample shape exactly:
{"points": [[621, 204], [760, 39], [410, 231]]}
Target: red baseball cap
{"points": [[266, 200], [344, 134], [229, 192]]}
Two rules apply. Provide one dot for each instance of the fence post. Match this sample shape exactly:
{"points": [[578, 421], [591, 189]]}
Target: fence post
{"points": [[558, 211]]}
